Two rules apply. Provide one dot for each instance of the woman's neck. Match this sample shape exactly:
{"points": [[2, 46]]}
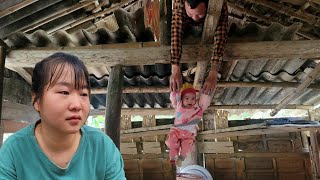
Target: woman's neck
{"points": [[55, 141]]}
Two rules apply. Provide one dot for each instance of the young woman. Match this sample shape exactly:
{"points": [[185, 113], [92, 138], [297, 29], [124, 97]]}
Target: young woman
{"points": [[59, 145]]}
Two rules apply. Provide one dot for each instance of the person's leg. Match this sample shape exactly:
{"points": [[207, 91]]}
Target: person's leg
{"points": [[173, 143], [187, 144]]}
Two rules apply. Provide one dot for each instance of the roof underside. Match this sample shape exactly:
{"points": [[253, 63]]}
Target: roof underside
{"points": [[55, 23]]}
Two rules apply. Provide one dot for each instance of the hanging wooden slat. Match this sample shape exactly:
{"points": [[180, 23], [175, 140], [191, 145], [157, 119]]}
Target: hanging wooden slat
{"points": [[299, 90]]}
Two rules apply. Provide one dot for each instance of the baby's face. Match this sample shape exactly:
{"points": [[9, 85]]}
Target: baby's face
{"points": [[189, 100]]}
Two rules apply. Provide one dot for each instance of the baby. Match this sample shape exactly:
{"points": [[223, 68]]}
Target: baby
{"points": [[188, 113]]}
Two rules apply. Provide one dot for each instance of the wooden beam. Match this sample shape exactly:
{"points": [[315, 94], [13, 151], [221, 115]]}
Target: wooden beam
{"points": [[152, 53], [164, 89], [253, 130], [298, 91], [3, 53], [57, 15], [306, 17], [23, 73], [114, 102], [16, 7], [170, 111], [247, 130]]}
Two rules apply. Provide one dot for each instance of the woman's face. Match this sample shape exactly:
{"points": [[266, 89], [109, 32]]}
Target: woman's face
{"points": [[63, 108], [197, 13]]}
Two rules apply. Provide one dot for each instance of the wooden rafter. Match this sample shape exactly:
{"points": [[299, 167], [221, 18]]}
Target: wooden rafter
{"points": [[163, 89], [16, 7], [94, 16], [57, 15], [153, 53], [311, 19], [299, 90], [267, 19], [170, 111]]}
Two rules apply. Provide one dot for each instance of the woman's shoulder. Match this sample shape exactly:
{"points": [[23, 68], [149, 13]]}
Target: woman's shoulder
{"points": [[22, 133], [94, 133]]}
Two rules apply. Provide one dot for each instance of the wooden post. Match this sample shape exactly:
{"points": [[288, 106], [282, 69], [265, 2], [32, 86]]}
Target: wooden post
{"points": [[314, 149], [114, 103], [2, 62]]}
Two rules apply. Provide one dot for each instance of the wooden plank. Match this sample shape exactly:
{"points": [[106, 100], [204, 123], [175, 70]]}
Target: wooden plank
{"points": [[216, 147], [128, 148], [114, 103], [264, 154], [16, 7], [170, 111], [138, 54], [299, 90], [151, 147], [247, 132]]}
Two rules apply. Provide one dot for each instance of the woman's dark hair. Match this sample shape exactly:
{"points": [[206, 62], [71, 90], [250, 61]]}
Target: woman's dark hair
{"points": [[49, 70], [194, 3]]}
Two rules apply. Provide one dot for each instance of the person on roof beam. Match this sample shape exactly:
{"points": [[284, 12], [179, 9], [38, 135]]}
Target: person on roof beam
{"points": [[188, 13]]}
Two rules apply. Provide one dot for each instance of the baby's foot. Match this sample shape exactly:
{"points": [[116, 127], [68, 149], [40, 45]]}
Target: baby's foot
{"points": [[179, 161]]}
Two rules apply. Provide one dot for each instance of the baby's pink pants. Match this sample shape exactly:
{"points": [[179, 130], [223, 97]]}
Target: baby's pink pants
{"points": [[179, 140]]}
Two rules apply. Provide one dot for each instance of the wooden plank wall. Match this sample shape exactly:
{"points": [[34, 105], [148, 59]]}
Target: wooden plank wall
{"points": [[274, 156]]}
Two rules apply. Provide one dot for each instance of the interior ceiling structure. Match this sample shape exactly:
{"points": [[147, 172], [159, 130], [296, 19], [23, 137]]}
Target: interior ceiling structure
{"points": [[71, 23]]}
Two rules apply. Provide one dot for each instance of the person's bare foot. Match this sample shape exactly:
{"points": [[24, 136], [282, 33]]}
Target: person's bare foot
{"points": [[179, 161]]}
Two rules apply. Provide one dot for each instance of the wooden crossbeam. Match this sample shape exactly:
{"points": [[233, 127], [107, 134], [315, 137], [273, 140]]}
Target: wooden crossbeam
{"points": [[170, 111], [247, 130], [164, 89], [152, 53]]}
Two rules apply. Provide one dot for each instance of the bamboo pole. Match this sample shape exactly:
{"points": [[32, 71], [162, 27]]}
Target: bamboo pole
{"points": [[114, 103], [16, 7], [311, 19], [170, 111], [164, 89], [2, 67], [298, 91]]}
